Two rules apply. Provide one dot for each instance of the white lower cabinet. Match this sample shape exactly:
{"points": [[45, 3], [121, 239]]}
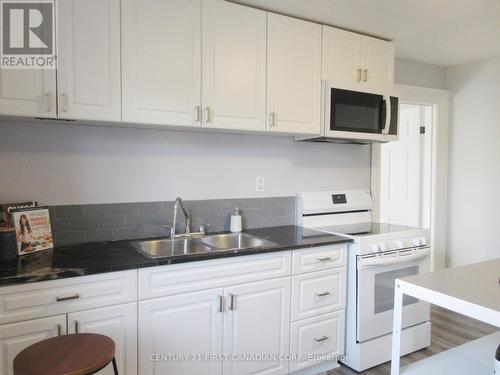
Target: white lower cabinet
{"points": [[257, 323], [117, 322], [15, 337], [174, 330], [317, 339]]}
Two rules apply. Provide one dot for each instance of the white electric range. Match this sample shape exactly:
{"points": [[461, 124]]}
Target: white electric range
{"points": [[379, 254]]}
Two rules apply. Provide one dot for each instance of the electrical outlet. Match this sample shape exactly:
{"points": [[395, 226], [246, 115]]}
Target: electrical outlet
{"points": [[259, 183]]}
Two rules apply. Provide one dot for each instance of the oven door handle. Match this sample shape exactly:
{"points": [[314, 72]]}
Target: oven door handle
{"points": [[388, 112], [388, 260]]}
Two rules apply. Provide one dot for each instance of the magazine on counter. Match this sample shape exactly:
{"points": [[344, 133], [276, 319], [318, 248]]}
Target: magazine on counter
{"points": [[33, 229], [6, 209]]}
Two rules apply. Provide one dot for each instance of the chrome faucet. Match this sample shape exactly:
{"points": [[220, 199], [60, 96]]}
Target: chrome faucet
{"points": [[178, 202]]}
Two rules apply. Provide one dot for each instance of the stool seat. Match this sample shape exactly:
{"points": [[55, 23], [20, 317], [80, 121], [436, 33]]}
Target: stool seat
{"points": [[77, 354]]}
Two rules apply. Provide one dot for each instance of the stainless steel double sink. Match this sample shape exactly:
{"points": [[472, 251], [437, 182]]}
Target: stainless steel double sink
{"points": [[165, 248]]}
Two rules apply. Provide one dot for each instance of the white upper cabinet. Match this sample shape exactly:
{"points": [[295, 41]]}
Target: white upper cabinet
{"points": [[234, 66], [88, 76], [341, 55], [30, 93], [161, 62], [357, 59], [293, 75], [378, 62]]}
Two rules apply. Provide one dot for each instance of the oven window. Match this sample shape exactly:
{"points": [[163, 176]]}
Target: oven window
{"points": [[384, 289], [356, 111]]}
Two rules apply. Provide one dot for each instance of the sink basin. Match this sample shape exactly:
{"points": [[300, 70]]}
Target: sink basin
{"points": [[234, 241], [167, 248]]}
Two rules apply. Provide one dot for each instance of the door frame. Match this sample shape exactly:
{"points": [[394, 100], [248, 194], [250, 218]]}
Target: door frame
{"points": [[439, 99]]}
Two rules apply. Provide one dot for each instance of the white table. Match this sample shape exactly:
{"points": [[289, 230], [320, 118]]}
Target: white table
{"points": [[471, 290]]}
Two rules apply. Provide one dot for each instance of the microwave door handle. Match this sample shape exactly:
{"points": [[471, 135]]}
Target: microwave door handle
{"points": [[385, 261], [388, 111]]}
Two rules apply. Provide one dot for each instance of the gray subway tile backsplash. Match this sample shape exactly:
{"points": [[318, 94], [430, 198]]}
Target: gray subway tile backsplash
{"points": [[102, 222]]}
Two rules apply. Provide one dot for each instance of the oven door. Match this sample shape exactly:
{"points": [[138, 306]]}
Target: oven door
{"points": [[359, 115], [376, 275]]}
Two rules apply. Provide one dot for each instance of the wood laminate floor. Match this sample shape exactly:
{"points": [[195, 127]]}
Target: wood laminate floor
{"points": [[448, 330]]}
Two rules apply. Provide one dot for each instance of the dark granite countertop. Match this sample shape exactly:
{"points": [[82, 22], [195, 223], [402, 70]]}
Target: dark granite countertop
{"points": [[101, 257]]}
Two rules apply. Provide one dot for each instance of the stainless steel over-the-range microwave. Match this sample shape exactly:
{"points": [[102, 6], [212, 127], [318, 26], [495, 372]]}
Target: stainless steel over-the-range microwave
{"points": [[351, 115]]}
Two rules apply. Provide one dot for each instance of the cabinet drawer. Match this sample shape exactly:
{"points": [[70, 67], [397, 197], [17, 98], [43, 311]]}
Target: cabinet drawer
{"points": [[34, 300], [319, 258], [318, 293], [188, 277], [321, 337]]}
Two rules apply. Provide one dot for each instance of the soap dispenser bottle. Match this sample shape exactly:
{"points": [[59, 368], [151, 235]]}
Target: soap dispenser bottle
{"points": [[235, 226]]}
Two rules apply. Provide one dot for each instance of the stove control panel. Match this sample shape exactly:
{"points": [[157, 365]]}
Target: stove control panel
{"points": [[401, 243]]}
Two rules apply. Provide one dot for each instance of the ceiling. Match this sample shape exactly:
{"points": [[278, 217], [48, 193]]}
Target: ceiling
{"points": [[440, 32]]}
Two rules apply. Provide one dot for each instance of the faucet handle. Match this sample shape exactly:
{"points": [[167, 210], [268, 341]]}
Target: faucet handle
{"points": [[171, 228], [204, 228]]}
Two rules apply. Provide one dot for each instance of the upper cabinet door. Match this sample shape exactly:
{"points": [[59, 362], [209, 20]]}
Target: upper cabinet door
{"points": [[341, 55], [88, 77], [161, 61], [378, 62], [234, 66], [293, 75], [29, 93]]}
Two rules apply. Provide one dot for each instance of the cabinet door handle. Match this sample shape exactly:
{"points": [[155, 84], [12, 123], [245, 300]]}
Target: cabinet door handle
{"points": [[47, 99], [323, 294], [359, 75], [232, 302], [59, 330], [365, 75], [207, 114], [221, 304], [77, 326], [272, 119], [197, 113], [74, 296], [321, 339], [325, 259]]}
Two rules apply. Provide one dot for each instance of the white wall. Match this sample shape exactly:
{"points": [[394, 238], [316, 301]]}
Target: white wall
{"points": [[409, 72], [474, 163], [69, 164]]}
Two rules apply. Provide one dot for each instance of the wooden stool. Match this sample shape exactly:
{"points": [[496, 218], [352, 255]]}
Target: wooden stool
{"points": [[78, 354]]}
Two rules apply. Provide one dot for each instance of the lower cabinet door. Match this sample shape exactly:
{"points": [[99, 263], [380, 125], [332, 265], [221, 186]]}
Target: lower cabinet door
{"points": [[17, 336], [181, 334], [256, 327], [317, 340], [117, 322]]}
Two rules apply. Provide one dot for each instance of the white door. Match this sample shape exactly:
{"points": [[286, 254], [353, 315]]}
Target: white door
{"points": [[15, 337], [117, 322], [257, 322], [30, 93], [88, 76], [161, 61], [341, 55], [406, 170], [184, 328], [293, 75], [377, 62], [234, 66]]}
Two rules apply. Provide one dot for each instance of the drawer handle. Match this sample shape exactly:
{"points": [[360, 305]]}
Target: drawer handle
{"points": [[325, 259], [321, 339], [60, 299], [323, 294]]}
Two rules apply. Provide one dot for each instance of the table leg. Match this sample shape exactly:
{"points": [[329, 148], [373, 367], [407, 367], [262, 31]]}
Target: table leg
{"points": [[396, 330]]}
